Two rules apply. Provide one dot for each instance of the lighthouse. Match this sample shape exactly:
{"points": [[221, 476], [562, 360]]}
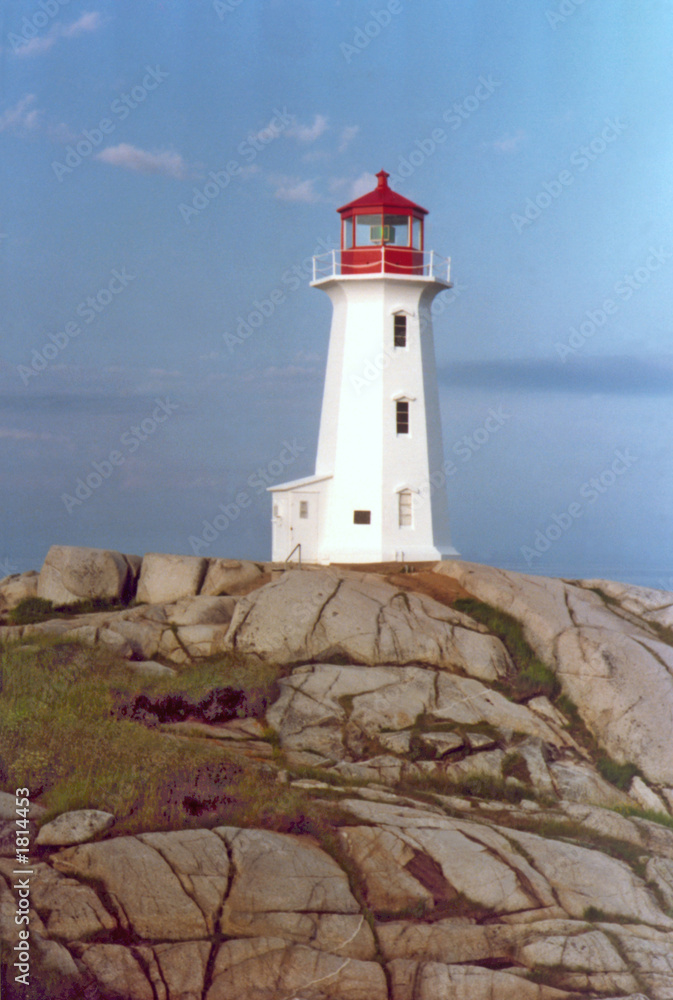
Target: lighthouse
{"points": [[378, 493]]}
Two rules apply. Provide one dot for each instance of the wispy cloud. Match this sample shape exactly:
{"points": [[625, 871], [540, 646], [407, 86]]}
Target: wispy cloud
{"points": [[294, 189], [18, 434], [610, 375], [509, 143], [86, 23], [346, 188], [22, 117], [362, 184], [308, 133], [347, 135], [166, 163]]}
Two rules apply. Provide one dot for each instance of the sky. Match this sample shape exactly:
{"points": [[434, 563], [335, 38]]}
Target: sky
{"points": [[169, 167]]}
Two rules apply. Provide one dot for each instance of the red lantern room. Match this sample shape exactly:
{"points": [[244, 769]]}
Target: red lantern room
{"points": [[382, 232]]}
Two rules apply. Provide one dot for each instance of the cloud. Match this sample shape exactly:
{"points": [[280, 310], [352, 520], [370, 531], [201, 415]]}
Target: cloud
{"points": [[347, 135], [308, 133], [590, 374], [362, 184], [86, 23], [23, 117], [131, 158], [36, 45], [17, 434], [294, 189], [509, 143]]}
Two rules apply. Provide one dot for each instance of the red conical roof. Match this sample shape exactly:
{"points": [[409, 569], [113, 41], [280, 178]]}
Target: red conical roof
{"points": [[383, 197]]}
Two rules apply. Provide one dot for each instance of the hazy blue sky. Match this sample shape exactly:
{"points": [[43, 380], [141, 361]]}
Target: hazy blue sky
{"points": [[167, 165]]}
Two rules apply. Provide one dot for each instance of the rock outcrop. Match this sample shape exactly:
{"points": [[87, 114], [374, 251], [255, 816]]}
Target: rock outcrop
{"points": [[185, 630], [72, 574], [462, 838], [446, 905], [303, 617], [616, 668], [16, 588]]}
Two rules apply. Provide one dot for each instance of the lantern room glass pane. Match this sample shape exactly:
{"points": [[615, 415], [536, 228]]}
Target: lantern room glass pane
{"points": [[396, 230], [416, 234], [348, 233], [368, 230]]}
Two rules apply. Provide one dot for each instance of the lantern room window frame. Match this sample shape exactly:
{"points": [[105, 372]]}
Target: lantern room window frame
{"points": [[415, 229]]}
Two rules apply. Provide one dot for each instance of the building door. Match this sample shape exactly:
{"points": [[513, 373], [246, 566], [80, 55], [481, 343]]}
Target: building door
{"points": [[304, 522]]}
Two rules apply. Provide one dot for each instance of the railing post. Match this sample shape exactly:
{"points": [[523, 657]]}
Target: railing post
{"points": [[334, 265], [448, 271], [314, 270], [431, 272]]}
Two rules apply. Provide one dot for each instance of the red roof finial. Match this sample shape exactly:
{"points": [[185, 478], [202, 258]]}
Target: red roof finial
{"points": [[382, 177]]}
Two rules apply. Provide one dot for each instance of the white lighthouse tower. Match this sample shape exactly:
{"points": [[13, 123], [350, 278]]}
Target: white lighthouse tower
{"points": [[372, 497]]}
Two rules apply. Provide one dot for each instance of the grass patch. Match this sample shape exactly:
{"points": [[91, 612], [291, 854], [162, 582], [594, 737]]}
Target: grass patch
{"points": [[32, 610], [572, 831], [532, 677], [514, 766], [62, 736], [477, 786], [620, 775], [594, 915], [635, 812]]}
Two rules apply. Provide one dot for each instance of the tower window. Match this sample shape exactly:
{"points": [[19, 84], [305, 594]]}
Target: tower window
{"points": [[400, 331], [303, 508], [402, 415], [405, 509], [362, 517]]}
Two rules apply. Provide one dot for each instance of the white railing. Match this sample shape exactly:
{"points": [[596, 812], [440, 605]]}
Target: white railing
{"points": [[430, 265]]}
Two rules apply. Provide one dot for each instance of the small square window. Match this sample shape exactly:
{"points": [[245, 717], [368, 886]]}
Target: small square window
{"points": [[303, 508], [402, 417], [275, 510], [400, 331], [362, 517]]}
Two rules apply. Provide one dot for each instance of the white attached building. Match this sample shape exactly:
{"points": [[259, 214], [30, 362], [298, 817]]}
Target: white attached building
{"points": [[372, 497]]}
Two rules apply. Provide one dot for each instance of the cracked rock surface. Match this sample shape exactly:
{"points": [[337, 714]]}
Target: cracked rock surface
{"points": [[468, 845], [362, 619], [606, 652]]}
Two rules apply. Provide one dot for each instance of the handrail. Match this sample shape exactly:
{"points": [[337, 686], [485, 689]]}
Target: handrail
{"points": [[297, 546], [432, 264]]}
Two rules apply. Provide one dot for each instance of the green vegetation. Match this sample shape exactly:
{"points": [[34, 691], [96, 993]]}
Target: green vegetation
{"points": [[594, 915], [478, 786], [64, 735], [664, 819], [620, 775], [533, 677], [515, 766], [575, 832], [32, 610]]}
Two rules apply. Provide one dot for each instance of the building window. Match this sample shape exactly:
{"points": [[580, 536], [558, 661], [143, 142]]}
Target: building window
{"points": [[400, 331], [303, 508], [402, 415], [362, 517], [405, 509], [275, 510]]}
